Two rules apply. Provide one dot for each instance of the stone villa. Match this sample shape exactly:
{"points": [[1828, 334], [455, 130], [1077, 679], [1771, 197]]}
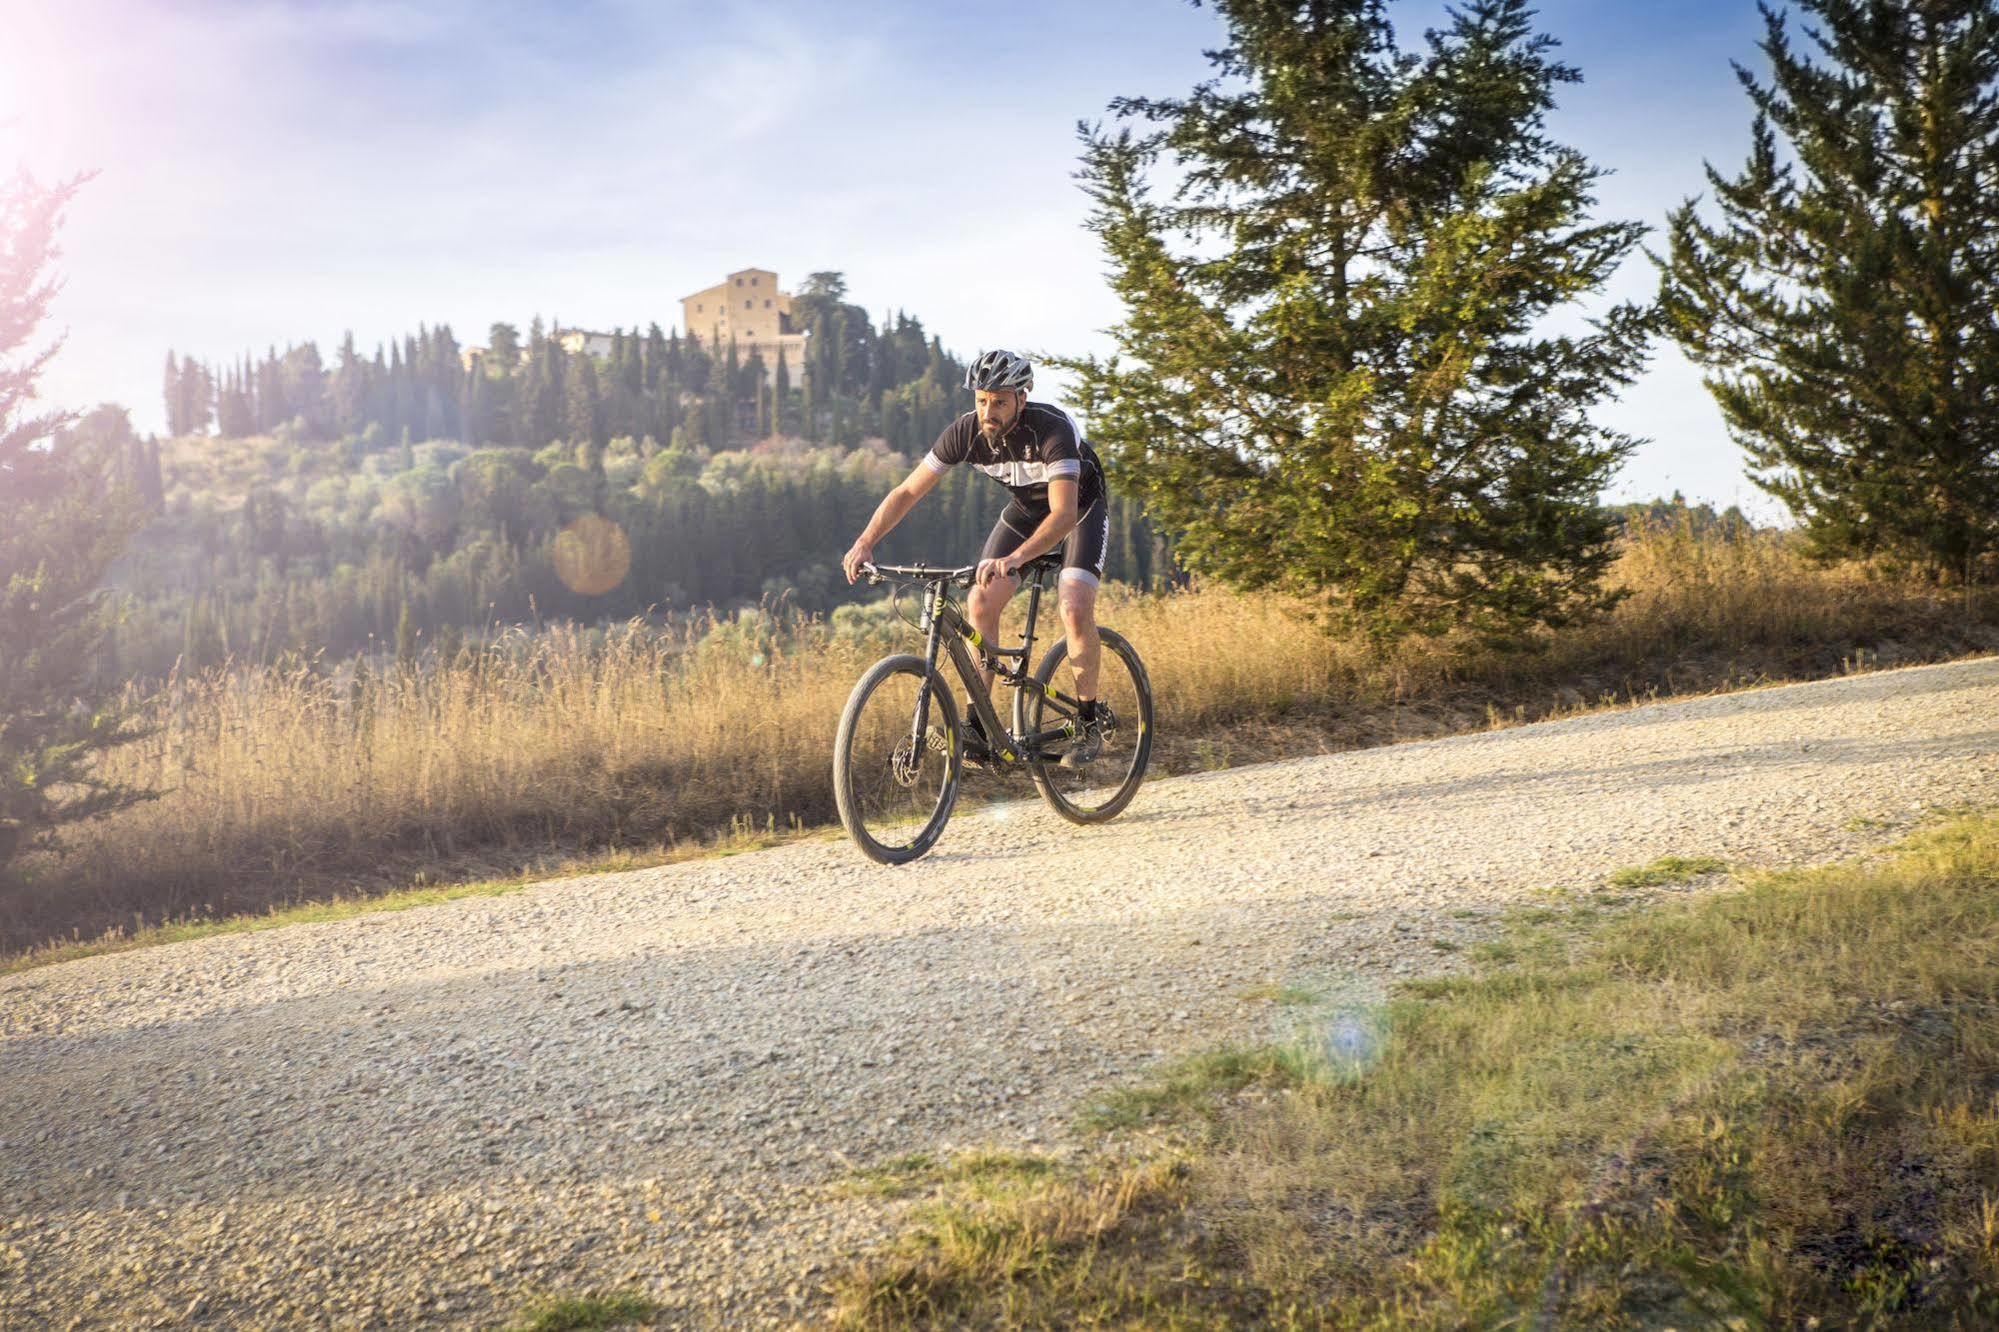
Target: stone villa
{"points": [[746, 306]]}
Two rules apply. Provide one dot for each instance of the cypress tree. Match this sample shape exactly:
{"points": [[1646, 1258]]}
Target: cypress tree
{"points": [[721, 399], [1339, 388], [350, 389], [783, 410], [580, 398], [1842, 301], [172, 392], [655, 357]]}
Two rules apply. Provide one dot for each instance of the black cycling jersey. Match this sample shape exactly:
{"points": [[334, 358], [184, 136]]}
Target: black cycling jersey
{"points": [[1044, 445]]}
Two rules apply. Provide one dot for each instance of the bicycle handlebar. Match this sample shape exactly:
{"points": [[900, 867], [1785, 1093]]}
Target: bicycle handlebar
{"points": [[921, 572], [963, 575]]}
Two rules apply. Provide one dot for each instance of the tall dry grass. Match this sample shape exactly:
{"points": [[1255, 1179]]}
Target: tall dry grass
{"points": [[284, 784]]}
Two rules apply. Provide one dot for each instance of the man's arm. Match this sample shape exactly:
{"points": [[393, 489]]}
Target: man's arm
{"points": [[1061, 520], [893, 507]]}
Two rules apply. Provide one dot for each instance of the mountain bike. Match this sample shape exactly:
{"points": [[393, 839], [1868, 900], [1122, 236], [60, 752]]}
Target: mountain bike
{"points": [[901, 747]]}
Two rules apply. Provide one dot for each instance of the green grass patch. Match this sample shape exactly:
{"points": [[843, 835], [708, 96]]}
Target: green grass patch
{"points": [[1191, 1084], [1665, 870], [1773, 1107], [981, 1171], [567, 1313]]}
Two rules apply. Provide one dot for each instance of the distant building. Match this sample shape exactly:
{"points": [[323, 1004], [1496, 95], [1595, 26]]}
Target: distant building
{"points": [[576, 340], [748, 307]]}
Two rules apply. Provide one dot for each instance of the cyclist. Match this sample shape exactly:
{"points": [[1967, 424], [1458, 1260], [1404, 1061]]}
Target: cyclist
{"points": [[1037, 452]]}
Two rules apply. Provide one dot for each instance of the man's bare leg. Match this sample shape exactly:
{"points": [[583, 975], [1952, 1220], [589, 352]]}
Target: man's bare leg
{"points": [[982, 607], [1079, 620]]}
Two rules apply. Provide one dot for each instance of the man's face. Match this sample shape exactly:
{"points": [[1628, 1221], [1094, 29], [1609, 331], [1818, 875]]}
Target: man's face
{"points": [[998, 409]]}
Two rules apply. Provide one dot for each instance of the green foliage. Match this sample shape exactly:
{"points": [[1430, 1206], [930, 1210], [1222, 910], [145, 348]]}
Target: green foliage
{"points": [[351, 501], [1342, 387], [262, 549], [1842, 301], [66, 520], [1701, 520]]}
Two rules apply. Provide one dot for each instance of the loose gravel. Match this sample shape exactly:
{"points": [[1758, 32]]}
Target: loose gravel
{"points": [[663, 1080]]}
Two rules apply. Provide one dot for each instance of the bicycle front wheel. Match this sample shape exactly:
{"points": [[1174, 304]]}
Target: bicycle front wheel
{"points": [[1101, 789], [895, 786]]}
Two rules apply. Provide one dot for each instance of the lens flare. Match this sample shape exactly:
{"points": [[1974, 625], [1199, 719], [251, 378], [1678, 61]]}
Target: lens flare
{"points": [[592, 555]]}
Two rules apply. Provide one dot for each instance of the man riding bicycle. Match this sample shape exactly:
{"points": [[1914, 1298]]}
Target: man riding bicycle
{"points": [[1058, 498]]}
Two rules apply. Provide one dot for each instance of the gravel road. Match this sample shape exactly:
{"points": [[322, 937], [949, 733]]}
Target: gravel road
{"points": [[660, 1079]]}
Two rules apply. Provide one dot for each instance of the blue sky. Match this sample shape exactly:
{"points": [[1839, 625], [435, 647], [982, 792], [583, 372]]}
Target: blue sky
{"points": [[271, 172]]}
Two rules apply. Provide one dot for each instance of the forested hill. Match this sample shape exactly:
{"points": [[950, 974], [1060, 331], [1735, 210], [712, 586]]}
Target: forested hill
{"points": [[406, 499], [893, 382]]}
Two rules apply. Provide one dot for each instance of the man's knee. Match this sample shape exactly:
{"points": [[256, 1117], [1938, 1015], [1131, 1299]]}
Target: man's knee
{"points": [[987, 602], [1079, 612]]}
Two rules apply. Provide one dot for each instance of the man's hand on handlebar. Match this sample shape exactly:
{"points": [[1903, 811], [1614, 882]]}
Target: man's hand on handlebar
{"points": [[861, 553]]}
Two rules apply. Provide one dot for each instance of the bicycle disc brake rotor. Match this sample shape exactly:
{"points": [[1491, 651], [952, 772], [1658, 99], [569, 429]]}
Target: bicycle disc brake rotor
{"points": [[908, 759]]}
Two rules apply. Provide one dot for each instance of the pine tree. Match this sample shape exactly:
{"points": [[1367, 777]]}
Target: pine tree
{"points": [[1842, 303], [1341, 389], [64, 525]]}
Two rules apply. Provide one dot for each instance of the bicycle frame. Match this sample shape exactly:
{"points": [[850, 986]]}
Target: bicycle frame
{"points": [[945, 627]]}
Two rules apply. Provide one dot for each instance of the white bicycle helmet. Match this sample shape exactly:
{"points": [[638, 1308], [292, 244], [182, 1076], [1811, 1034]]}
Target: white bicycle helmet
{"points": [[996, 370]]}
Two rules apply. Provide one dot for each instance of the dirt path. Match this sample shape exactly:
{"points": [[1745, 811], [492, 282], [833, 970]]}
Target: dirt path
{"points": [[659, 1079]]}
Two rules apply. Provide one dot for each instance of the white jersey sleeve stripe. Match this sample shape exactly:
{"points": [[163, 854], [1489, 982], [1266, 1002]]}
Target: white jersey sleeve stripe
{"points": [[935, 463]]}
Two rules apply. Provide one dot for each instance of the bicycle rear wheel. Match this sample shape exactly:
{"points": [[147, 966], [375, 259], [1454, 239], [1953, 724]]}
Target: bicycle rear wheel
{"points": [[1100, 791], [895, 791]]}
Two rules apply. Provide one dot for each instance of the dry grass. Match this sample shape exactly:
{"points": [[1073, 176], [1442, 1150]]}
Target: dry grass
{"points": [[1767, 1108], [281, 786]]}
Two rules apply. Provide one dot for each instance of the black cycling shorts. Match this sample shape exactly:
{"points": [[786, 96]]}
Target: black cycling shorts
{"points": [[1083, 550]]}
